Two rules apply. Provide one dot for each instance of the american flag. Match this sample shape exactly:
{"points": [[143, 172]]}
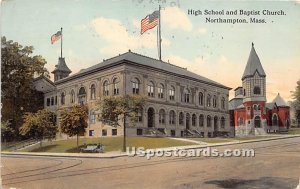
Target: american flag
{"points": [[149, 22], [55, 37]]}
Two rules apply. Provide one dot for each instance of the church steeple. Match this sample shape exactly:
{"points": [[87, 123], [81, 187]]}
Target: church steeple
{"points": [[61, 69], [253, 65], [254, 79]]}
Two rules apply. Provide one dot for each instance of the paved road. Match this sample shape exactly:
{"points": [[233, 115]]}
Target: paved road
{"points": [[276, 165]]}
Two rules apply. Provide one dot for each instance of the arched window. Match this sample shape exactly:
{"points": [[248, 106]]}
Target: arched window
{"points": [[105, 88], [256, 90], [160, 91], [116, 86], [62, 98], [172, 93], [194, 120], [181, 117], [214, 101], [186, 96], [216, 122], [208, 121], [81, 95], [223, 103], [72, 94], [135, 86], [201, 99], [222, 122], [162, 116], [92, 117], [93, 91], [255, 107], [172, 117], [274, 120], [201, 120], [151, 89], [241, 121], [208, 101]]}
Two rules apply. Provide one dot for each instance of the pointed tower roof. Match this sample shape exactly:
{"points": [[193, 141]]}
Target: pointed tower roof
{"points": [[253, 65], [279, 101], [61, 66]]}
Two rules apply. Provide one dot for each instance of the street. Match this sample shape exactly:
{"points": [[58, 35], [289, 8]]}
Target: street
{"points": [[276, 165]]}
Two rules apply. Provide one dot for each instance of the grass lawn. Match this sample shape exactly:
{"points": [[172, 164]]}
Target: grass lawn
{"points": [[294, 131], [213, 140], [111, 144], [221, 140]]}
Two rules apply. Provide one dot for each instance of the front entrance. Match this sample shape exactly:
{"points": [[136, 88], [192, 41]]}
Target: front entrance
{"points": [[257, 122], [150, 115]]}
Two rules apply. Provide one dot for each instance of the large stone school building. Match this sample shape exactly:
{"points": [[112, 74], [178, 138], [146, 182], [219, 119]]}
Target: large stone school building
{"points": [[179, 102]]}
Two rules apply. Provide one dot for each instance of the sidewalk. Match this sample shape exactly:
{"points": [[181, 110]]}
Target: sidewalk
{"points": [[116, 154]]}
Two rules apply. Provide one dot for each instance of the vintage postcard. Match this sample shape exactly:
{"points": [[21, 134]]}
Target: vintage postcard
{"points": [[150, 94]]}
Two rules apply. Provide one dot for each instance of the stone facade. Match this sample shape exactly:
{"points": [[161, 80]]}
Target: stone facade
{"points": [[179, 102]]}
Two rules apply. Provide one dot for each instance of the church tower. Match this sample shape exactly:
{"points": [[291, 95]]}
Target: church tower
{"points": [[61, 69], [254, 91]]}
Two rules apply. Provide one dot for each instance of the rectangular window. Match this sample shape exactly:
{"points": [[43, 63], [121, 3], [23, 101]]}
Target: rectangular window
{"points": [[48, 101], [172, 94], [55, 100], [93, 117], [140, 116], [91, 133], [160, 92], [209, 135], [52, 101], [104, 132], [173, 133], [150, 91], [139, 132], [114, 132]]}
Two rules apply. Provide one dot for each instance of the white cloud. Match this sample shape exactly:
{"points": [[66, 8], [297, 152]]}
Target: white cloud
{"points": [[176, 18], [119, 40], [202, 30]]}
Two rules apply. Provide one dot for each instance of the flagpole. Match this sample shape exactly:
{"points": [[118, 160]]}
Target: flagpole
{"points": [[61, 41], [159, 35]]}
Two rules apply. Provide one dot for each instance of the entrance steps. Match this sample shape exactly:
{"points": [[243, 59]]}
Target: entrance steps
{"points": [[155, 132], [260, 131]]}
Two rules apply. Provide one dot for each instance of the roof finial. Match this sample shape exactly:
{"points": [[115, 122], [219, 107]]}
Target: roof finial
{"points": [[252, 44]]}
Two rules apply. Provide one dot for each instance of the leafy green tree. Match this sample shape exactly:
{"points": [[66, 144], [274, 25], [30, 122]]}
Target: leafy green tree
{"points": [[18, 69], [40, 125], [74, 121], [296, 102], [7, 132], [115, 108]]}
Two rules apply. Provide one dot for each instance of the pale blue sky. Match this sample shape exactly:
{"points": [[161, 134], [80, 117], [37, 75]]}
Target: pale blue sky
{"points": [[95, 30]]}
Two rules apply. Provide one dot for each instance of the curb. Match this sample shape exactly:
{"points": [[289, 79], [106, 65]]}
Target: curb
{"points": [[90, 155]]}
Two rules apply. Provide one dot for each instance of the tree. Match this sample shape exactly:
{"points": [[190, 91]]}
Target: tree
{"points": [[39, 125], [115, 108], [18, 69], [74, 120], [296, 102], [7, 132]]}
